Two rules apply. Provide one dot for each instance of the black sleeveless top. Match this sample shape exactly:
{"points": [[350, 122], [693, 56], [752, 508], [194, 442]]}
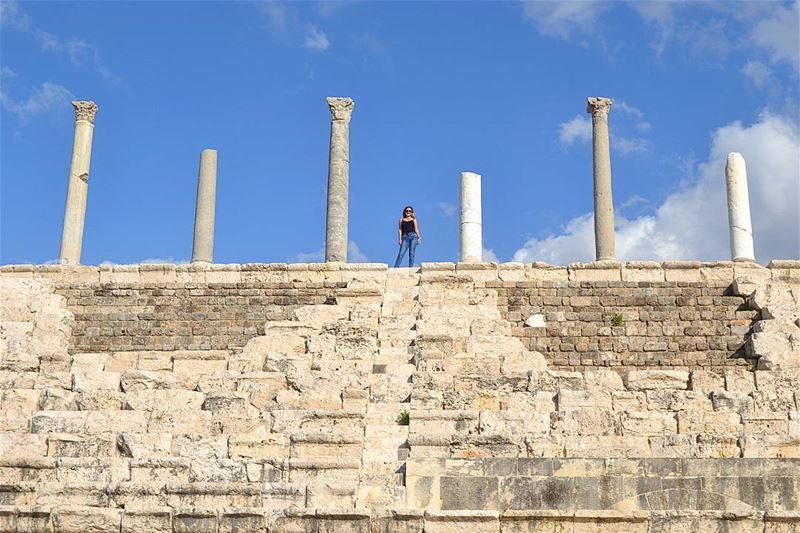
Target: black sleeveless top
{"points": [[407, 227]]}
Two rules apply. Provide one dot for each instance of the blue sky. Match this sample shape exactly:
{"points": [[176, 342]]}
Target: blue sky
{"points": [[439, 87]]}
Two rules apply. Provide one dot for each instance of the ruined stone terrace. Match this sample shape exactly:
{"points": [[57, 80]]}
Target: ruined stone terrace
{"points": [[331, 397]]}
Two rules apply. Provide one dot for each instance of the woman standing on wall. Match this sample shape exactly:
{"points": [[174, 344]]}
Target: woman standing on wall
{"points": [[408, 236]]}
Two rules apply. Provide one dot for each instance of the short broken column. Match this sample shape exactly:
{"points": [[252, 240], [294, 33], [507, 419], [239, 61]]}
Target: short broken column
{"points": [[741, 228], [78, 184], [471, 220], [203, 245], [603, 204], [338, 180]]}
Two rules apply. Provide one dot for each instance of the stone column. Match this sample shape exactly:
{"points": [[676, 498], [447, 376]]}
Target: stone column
{"points": [[203, 246], [78, 184], [741, 228], [603, 205], [471, 220], [338, 180]]}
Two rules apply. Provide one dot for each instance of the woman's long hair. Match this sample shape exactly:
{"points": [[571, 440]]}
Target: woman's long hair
{"points": [[404, 212]]}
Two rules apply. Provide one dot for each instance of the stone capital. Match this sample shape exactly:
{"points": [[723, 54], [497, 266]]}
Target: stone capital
{"points": [[598, 106], [341, 108], [85, 110]]}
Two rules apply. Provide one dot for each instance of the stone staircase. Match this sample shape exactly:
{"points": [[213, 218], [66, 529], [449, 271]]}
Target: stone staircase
{"points": [[382, 482]]}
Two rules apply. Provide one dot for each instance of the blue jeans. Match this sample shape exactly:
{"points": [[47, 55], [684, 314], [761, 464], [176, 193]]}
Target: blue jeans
{"points": [[409, 242]]}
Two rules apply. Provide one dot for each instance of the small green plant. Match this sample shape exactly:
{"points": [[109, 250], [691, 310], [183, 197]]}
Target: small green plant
{"points": [[617, 320], [402, 418]]}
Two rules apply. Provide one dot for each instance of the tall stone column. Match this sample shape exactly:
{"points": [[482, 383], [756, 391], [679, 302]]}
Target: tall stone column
{"points": [[471, 219], [739, 209], [203, 246], [603, 204], [338, 180], [78, 184]]}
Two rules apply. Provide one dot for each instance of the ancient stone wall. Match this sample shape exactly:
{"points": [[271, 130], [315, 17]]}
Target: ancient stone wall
{"points": [[358, 398]]}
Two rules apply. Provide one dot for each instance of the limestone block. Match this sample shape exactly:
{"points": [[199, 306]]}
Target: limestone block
{"points": [[116, 421], [161, 469], [92, 380], [705, 381], [177, 422], [642, 271], [785, 269], [152, 360], [603, 380], [22, 445], [150, 519], [74, 519], [70, 445], [587, 421], [682, 271], [656, 379], [140, 380], [709, 423], [55, 399], [607, 446], [457, 521], [188, 372], [648, 423], [200, 446], [570, 400], [58, 422], [522, 362], [771, 446], [731, 401], [740, 380], [595, 271], [259, 445], [33, 519], [157, 274], [538, 271], [242, 519], [194, 521], [765, 423], [144, 445], [513, 423]]}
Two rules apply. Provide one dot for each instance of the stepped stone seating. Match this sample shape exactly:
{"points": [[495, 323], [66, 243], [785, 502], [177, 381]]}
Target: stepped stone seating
{"points": [[596, 397]]}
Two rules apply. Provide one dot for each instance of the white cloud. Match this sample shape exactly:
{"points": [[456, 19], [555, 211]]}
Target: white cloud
{"points": [[779, 34], [578, 129], [626, 146], [7, 72], [11, 15], [447, 209], [308, 257], [692, 223], [316, 39], [49, 96], [564, 18], [48, 41], [354, 254], [488, 254], [628, 109], [757, 72], [275, 12]]}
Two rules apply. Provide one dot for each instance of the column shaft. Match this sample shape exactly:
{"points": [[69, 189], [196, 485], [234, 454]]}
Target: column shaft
{"points": [[603, 202], [741, 229], [78, 184], [203, 245], [471, 219], [338, 180]]}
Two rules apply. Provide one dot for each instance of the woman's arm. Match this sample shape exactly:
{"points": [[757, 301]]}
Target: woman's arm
{"points": [[416, 230], [400, 231]]}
